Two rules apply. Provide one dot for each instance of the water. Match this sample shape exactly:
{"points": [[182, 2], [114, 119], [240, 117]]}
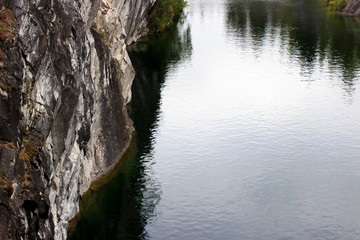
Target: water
{"points": [[248, 127]]}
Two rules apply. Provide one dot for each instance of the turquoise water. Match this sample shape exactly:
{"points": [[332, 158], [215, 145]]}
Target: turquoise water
{"points": [[248, 127]]}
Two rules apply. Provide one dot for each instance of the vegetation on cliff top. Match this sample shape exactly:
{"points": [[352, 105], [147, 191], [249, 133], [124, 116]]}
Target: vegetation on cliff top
{"points": [[337, 4], [165, 13]]}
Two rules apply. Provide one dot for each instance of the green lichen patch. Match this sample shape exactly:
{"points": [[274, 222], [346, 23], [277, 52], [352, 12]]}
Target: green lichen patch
{"points": [[102, 34], [25, 157]]}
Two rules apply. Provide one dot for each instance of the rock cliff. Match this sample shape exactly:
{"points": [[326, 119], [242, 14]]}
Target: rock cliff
{"points": [[65, 79], [351, 9]]}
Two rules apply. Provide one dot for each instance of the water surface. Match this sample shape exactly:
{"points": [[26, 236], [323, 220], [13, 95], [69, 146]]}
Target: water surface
{"points": [[248, 127]]}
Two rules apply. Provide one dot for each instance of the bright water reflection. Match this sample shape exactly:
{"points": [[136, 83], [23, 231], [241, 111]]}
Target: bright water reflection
{"points": [[258, 136], [248, 123]]}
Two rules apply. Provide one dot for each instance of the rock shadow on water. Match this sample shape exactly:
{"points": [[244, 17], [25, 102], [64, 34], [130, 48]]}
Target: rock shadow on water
{"points": [[152, 59], [121, 206], [114, 208]]}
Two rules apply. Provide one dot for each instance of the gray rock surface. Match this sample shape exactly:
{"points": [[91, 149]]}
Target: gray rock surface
{"points": [[351, 8], [65, 79]]}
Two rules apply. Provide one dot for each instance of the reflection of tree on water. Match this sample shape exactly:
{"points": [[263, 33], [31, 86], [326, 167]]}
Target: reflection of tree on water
{"points": [[151, 60], [122, 208], [310, 34]]}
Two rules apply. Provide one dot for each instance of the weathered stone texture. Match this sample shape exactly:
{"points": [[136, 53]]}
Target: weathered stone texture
{"points": [[65, 79], [351, 8]]}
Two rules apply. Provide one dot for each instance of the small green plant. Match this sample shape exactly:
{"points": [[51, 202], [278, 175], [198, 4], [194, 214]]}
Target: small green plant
{"points": [[337, 4], [29, 148], [102, 34], [2, 27], [164, 13], [1, 171], [25, 157], [27, 143]]}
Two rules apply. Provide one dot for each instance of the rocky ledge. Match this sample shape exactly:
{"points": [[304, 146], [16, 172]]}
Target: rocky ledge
{"points": [[351, 9], [65, 80]]}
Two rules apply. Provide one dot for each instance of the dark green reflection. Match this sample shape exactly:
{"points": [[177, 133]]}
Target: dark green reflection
{"points": [[151, 60], [122, 207], [310, 34], [112, 212]]}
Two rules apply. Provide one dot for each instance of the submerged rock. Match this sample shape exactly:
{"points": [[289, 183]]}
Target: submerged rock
{"points": [[65, 80]]}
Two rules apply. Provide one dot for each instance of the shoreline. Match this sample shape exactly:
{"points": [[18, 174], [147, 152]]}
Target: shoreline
{"points": [[101, 180]]}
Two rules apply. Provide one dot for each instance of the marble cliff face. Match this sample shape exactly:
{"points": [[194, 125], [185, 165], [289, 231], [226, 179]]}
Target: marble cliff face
{"points": [[65, 80], [351, 8]]}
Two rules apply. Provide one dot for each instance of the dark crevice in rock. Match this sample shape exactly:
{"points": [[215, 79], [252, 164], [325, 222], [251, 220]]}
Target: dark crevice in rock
{"points": [[30, 205]]}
